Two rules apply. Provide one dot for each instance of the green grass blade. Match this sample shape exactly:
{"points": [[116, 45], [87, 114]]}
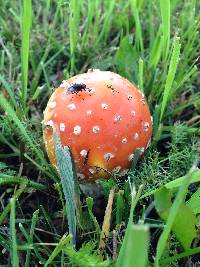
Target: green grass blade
{"points": [[138, 34], [122, 253], [63, 241], [72, 35], [9, 90], [187, 253], [26, 27], [170, 76], [9, 179], [14, 253], [184, 225], [38, 72], [6, 209], [107, 22], [90, 202], [194, 202], [141, 73], [172, 215], [12, 114], [136, 250], [165, 14], [36, 251], [66, 174], [175, 184], [32, 230], [119, 207]]}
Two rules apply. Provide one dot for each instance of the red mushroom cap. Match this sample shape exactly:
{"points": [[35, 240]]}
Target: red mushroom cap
{"points": [[103, 118]]}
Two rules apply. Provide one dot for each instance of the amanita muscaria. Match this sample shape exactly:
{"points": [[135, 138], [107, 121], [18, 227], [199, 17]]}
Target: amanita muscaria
{"points": [[103, 118]]}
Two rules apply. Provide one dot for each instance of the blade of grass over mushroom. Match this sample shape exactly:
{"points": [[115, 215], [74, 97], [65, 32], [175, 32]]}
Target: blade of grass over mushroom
{"points": [[14, 253], [170, 76], [165, 14], [25, 28], [172, 215], [66, 175], [76, 192]]}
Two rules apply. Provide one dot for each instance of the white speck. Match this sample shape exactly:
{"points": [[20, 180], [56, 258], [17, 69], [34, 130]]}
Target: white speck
{"points": [[130, 97], [49, 123], [52, 104], [136, 136], [130, 157], [83, 153], [133, 113], [117, 118], [143, 100], [62, 127], [92, 171], [108, 156], [104, 106], [90, 90], [115, 135], [124, 140], [151, 119], [77, 130], [71, 106], [146, 126], [116, 169], [89, 112], [80, 176], [96, 129]]}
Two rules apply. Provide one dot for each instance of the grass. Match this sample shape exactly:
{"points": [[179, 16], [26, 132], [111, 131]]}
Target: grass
{"points": [[155, 45]]}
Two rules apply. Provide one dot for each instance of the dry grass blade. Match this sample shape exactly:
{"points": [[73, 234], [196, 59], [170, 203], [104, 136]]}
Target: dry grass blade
{"points": [[106, 223]]}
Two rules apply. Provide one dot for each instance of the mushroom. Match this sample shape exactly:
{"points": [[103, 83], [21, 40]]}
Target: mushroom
{"points": [[103, 118]]}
